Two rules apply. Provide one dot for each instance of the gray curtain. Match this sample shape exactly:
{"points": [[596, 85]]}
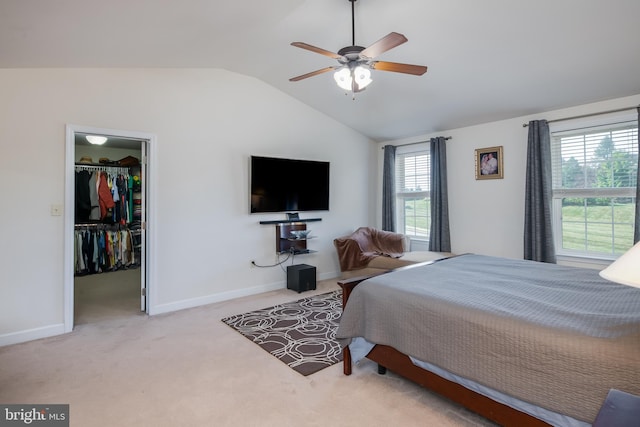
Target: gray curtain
{"points": [[538, 234], [636, 229], [439, 237], [389, 189]]}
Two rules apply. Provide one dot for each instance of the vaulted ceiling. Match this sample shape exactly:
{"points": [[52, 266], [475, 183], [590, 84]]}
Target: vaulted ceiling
{"points": [[487, 60]]}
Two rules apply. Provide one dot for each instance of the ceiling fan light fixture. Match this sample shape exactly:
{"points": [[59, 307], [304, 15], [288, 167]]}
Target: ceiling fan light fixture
{"points": [[96, 139], [353, 79]]}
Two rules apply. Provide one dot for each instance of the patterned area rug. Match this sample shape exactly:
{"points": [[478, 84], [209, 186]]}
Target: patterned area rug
{"points": [[299, 333]]}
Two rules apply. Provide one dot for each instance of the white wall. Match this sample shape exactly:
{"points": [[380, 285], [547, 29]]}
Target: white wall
{"points": [[95, 152], [487, 216], [207, 123]]}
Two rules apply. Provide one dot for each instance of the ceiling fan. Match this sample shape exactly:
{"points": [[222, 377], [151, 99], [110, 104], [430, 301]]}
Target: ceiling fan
{"points": [[356, 62]]}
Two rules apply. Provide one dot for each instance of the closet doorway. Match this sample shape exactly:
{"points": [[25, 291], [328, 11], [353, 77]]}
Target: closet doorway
{"points": [[106, 220]]}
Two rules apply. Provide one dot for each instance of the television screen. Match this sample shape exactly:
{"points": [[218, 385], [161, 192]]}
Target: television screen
{"points": [[288, 185]]}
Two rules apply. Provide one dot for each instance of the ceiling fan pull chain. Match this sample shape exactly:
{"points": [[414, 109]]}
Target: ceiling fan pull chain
{"points": [[353, 86]]}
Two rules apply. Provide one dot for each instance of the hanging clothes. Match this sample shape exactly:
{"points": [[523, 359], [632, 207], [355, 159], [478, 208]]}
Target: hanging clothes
{"points": [[83, 199], [94, 215], [120, 199], [105, 199], [99, 250], [103, 194], [105, 203]]}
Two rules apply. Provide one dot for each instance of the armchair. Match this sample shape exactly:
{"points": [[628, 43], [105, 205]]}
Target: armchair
{"points": [[370, 248]]}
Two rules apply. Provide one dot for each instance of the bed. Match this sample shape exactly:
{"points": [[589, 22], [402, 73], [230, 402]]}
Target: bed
{"points": [[519, 342]]}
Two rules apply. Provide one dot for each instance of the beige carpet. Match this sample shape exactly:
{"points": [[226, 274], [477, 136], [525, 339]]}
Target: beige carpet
{"points": [[107, 296], [189, 369]]}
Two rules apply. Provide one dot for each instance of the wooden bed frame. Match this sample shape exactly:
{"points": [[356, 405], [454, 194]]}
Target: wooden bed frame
{"points": [[389, 358]]}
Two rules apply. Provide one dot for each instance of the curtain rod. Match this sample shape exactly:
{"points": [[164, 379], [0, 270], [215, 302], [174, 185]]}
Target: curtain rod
{"points": [[446, 138], [524, 125]]}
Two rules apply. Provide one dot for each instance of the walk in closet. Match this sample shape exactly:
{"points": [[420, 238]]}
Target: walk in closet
{"points": [[108, 231]]}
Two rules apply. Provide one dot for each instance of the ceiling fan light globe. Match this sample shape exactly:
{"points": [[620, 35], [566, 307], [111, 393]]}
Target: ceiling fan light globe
{"points": [[343, 78], [362, 76]]}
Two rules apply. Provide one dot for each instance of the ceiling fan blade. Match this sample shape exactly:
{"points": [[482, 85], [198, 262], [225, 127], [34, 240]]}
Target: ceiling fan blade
{"points": [[316, 50], [396, 67], [311, 74], [389, 41]]}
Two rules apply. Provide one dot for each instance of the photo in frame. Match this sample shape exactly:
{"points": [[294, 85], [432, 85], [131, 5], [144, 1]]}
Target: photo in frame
{"points": [[489, 163]]}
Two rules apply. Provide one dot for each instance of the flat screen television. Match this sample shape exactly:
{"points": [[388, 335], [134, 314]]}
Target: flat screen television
{"points": [[288, 185]]}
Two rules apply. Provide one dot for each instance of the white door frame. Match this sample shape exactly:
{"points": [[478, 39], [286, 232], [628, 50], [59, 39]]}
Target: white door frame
{"points": [[69, 214]]}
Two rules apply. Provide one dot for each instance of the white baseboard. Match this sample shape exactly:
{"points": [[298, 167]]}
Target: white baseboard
{"points": [[31, 334], [225, 296], [210, 299], [58, 329]]}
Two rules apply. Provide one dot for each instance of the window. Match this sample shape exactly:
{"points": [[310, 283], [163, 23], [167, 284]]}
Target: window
{"points": [[594, 181], [413, 183]]}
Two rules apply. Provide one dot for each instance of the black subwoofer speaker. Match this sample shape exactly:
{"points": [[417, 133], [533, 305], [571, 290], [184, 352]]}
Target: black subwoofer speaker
{"points": [[301, 277]]}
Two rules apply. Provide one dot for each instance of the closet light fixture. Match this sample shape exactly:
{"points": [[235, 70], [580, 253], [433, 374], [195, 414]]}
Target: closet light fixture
{"points": [[96, 139]]}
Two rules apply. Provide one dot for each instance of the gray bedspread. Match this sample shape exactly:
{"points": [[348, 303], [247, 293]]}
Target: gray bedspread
{"points": [[557, 337]]}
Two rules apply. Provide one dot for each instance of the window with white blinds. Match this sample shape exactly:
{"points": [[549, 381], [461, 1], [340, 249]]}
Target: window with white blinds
{"points": [[594, 181], [413, 185]]}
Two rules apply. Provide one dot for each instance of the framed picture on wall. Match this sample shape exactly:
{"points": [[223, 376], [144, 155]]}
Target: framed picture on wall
{"points": [[489, 163]]}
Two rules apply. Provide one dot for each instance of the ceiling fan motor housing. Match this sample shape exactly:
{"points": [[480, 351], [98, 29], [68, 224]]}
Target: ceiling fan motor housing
{"points": [[350, 53]]}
